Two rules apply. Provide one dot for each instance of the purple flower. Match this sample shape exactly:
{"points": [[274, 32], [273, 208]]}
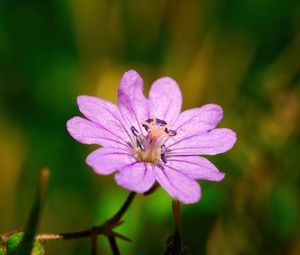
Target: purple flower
{"points": [[148, 139]]}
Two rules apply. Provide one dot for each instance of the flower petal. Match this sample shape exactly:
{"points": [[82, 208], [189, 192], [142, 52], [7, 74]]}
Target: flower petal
{"points": [[138, 177], [214, 142], [107, 160], [132, 102], [197, 120], [105, 114], [165, 100], [195, 167], [177, 184], [87, 132]]}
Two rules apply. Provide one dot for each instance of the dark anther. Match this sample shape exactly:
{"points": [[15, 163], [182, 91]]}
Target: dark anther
{"points": [[134, 131], [146, 127], [140, 144], [161, 122], [149, 120], [164, 158], [163, 153], [170, 132]]}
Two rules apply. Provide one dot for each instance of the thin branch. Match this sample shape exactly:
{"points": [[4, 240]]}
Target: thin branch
{"points": [[117, 217], [113, 245], [117, 235], [68, 235], [105, 228], [94, 241]]}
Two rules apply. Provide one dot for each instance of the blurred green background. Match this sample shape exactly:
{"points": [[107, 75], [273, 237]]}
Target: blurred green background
{"points": [[243, 55]]}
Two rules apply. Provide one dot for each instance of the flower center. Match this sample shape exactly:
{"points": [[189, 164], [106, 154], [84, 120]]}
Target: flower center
{"points": [[150, 147]]}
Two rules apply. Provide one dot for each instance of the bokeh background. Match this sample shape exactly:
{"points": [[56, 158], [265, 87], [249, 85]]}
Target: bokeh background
{"points": [[243, 55]]}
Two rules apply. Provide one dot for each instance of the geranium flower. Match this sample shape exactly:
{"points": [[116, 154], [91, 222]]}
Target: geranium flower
{"points": [[148, 140]]}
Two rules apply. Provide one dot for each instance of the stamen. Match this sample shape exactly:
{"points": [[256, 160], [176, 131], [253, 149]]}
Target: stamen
{"points": [[150, 147], [146, 127], [134, 131], [164, 158], [163, 154], [161, 122], [163, 149], [140, 144], [170, 132], [149, 120]]}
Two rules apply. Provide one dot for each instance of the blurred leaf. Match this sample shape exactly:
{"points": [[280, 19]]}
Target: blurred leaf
{"points": [[283, 209], [14, 240], [2, 247], [2, 250], [27, 242]]}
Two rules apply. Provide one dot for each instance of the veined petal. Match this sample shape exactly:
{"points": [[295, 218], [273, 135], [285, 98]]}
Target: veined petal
{"points": [[138, 177], [214, 142], [87, 132], [177, 184], [107, 160], [197, 121], [165, 100], [105, 114], [195, 167], [132, 102]]}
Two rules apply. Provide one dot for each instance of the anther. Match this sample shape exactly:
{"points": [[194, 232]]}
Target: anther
{"points": [[134, 131], [140, 144], [163, 154], [164, 158], [161, 122], [149, 120], [170, 132], [146, 127]]}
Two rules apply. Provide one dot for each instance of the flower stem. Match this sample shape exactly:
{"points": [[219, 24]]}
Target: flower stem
{"points": [[94, 240], [105, 228], [117, 217], [177, 234], [174, 243]]}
